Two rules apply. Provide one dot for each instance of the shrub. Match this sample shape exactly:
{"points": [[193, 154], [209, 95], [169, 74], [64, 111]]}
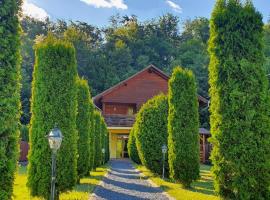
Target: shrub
{"points": [[84, 127], [239, 102], [10, 94], [151, 132], [24, 133], [132, 148], [97, 158], [183, 126], [54, 101], [91, 136]]}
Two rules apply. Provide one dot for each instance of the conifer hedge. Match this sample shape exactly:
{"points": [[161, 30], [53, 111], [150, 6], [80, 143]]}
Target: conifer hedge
{"points": [[10, 60], [183, 126], [239, 102], [91, 136], [97, 130], [54, 101], [84, 127], [151, 132], [132, 148]]}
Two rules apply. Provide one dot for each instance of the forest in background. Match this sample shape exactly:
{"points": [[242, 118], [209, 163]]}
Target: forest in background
{"points": [[106, 56]]}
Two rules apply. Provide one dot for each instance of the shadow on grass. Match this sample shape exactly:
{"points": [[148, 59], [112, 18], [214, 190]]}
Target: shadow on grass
{"points": [[85, 187]]}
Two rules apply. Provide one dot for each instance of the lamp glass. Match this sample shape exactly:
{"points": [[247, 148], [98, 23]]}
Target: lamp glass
{"points": [[55, 139], [164, 148]]}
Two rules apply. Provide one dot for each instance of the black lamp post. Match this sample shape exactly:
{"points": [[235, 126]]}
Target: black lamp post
{"points": [[103, 154], [55, 139], [164, 151]]}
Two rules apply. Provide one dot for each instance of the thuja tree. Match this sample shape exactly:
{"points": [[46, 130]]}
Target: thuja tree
{"points": [[132, 148], [183, 126], [91, 136], [54, 101], [84, 127], [10, 94], [151, 132], [239, 102], [103, 135], [97, 135]]}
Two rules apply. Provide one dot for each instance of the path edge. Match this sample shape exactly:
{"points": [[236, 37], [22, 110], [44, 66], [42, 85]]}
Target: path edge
{"points": [[152, 183]]}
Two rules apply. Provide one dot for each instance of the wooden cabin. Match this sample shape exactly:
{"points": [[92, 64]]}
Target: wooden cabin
{"points": [[120, 103]]}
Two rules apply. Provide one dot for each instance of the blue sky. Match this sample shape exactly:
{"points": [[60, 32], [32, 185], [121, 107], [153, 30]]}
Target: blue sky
{"points": [[97, 12]]}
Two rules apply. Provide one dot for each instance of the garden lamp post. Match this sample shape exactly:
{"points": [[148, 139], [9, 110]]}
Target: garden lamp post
{"points": [[55, 139], [103, 154], [164, 151]]}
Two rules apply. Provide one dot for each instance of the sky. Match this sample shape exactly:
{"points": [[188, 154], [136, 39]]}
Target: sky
{"points": [[98, 12]]}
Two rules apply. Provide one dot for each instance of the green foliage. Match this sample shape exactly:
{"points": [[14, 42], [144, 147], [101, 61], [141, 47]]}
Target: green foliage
{"points": [[91, 136], [54, 101], [132, 148], [150, 130], [98, 144], [103, 136], [239, 108], [24, 133], [10, 61], [84, 127], [183, 126]]}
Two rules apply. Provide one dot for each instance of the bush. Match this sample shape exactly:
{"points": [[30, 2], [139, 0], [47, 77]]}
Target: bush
{"points": [[132, 148], [10, 94], [84, 127], [97, 158], [91, 137], [183, 126], [151, 132], [54, 101], [239, 108]]}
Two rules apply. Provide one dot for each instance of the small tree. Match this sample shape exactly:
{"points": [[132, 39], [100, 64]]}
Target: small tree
{"points": [[132, 148], [9, 94], [239, 107], [84, 127], [183, 127], [54, 101], [151, 132]]}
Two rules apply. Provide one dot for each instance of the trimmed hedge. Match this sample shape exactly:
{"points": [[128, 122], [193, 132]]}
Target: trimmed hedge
{"points": [[239, 108], [132, 148], [151, 132], [97, 158], [91, 136], [10, 107], [54, 101], [183, 126], [84, 127]]}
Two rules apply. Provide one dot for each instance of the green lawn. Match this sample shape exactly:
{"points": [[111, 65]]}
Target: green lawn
{"points": [[80, 192], [201, 189]]}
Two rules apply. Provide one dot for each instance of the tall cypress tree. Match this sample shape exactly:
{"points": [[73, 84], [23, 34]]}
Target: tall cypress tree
{"points": [[84, 127], [9, 93], [54, 101], [239, 108], [97, 157], [92, 137], [183, 126]]}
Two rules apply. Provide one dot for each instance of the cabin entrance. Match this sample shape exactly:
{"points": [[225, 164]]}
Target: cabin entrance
{"points": [[121, 148]]}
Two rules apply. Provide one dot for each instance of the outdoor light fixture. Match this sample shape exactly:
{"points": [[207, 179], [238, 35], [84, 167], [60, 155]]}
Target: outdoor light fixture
{"points": [[103, 153], [164, 151], [55, 138]]}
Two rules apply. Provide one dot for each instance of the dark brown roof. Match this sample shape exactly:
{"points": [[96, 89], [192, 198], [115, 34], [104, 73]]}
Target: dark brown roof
{"points": [[151, 67], [204, 131]]}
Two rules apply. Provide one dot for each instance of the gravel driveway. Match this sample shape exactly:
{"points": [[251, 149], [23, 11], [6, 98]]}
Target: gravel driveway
{"points": [[123, 182]]}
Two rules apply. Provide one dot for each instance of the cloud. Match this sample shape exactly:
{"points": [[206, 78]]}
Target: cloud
{"points": [[31, 10], [119, 4], [174, 6]]}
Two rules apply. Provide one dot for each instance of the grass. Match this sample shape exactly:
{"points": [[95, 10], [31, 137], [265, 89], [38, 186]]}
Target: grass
{"points": [[80, 191], [201, 190]]}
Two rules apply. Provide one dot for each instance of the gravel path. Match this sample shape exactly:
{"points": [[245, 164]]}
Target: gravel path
{"points": [[123, 182]]}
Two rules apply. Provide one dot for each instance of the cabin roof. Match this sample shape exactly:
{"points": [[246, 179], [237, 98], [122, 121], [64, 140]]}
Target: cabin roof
{"points": [[151, 68]]}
